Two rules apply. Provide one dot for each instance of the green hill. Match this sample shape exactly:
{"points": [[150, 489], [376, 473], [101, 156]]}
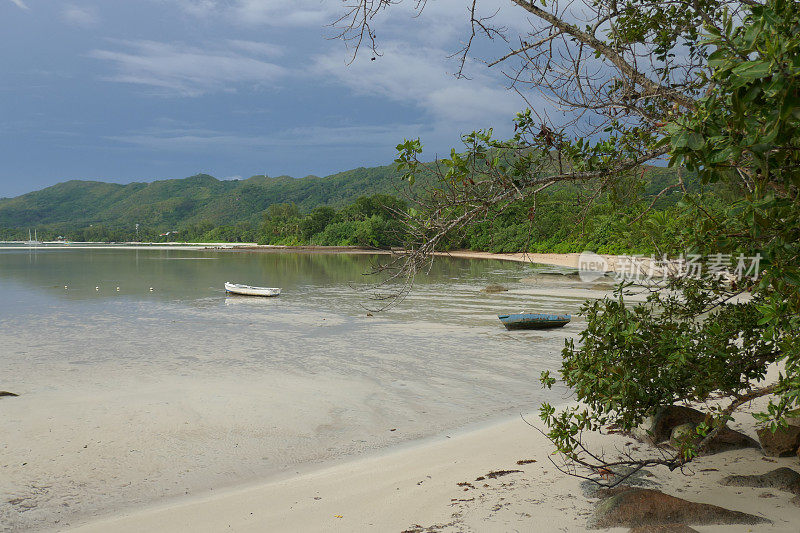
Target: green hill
{"points": [[91, 210], [169, 204]]}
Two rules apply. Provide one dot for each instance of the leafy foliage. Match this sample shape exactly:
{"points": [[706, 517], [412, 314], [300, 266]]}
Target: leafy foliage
{"points": [[746, 133], [743, 138], [683, 343], [371, 221]]}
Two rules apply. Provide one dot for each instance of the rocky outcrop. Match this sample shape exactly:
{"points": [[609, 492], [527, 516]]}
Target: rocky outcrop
{"points": [[729, 439], [658, 428], [784, 479], [784, 442], [639, 508], [677, 423]]}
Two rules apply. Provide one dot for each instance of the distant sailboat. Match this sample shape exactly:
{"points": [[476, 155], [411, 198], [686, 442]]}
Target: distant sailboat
{"points": [[32, 241]]}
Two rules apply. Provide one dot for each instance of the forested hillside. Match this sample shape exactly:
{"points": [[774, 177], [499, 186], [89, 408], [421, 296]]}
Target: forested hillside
{"points": [[343, 209], [172, 204]]}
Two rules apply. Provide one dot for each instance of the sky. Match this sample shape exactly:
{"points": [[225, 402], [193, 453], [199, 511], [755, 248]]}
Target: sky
{"points": [[139, 90]]}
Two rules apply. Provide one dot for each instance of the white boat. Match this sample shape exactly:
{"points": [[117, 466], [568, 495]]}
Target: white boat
{"points": [[33, 241], [247, 290]]}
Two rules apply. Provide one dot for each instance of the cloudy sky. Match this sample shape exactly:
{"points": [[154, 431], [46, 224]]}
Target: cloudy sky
{"points": [[137, 90]]}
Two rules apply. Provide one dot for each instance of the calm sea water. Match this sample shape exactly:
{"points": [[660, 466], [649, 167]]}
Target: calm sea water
{"points": [[129, 395]]}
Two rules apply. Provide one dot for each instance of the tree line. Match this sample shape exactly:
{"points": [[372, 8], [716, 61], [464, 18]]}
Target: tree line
{"points": [[561, 225]]}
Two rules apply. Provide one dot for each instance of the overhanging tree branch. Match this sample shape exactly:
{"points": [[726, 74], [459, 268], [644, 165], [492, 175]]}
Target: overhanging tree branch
{"points": [[651, 88]]}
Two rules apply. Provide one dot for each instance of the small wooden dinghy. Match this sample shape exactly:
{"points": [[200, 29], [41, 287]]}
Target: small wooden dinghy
{"points": [[247, 290], [534, 321]]}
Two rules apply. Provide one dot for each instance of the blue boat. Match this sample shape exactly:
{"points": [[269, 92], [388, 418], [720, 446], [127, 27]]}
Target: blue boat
{"points": [[534, 321]]}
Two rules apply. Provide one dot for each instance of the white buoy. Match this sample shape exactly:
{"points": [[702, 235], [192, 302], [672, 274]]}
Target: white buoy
{"points": [[117, 289], [97, 288], [65, 287], [151, 289]]}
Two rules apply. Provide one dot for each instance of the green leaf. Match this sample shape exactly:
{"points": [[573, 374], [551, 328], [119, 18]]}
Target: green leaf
{"points": [[695, 141], [680, 139], [752, 70]]}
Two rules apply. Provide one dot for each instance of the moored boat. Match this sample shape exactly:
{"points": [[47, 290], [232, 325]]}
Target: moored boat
{"points": [[534, 321], [248, 290]]}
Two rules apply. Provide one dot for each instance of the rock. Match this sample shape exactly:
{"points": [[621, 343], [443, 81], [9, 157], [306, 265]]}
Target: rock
{"points": [[642, 432], [784, 479], [6, 393], [639, 508], [783, 443], [658, 427], [636, 478], [667, 528], [494, 288], [681, 433], [593, 490], [727, 439]]}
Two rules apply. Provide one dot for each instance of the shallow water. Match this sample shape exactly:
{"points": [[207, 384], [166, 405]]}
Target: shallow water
{"points": [[128, 396]]}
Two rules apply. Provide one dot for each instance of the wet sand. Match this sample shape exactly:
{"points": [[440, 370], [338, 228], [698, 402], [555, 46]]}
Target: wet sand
{"points": [[497, 478]]}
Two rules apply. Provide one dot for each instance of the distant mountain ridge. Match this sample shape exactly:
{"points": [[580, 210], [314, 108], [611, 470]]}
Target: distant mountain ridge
{"points": [[96, 210], [175, 202]]}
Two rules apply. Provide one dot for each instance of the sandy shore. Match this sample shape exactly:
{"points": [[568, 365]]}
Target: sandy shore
{"points": [[132, 398], [443, 483], [563, 260], [435, 485]]}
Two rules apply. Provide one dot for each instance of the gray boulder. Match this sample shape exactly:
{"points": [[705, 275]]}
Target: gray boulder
{"points": [[785, 442], [637, 508], [658, 428], [727, 439], [784, 479]]}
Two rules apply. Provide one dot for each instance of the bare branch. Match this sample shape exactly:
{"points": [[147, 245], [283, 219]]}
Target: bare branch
{"points": [[652, 88]]}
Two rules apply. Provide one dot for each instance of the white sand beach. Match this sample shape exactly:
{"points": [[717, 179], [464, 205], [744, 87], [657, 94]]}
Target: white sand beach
{"points": [[434, 484]]}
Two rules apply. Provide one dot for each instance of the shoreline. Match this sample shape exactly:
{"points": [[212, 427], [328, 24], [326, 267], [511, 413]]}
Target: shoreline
{"points": [[396, 489], [567, 260], [219, 414], [339, 467], [495, 478], [424, 482]]}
